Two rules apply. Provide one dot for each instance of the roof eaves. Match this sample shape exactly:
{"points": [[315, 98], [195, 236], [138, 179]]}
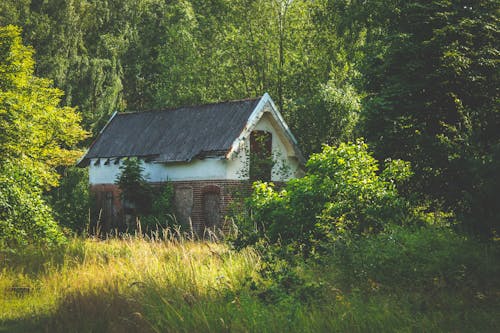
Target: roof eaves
{"points": [[83, 161], [287, 131]]}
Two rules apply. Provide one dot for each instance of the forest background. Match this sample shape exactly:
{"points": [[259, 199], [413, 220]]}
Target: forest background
{"points": [[418, 80]]}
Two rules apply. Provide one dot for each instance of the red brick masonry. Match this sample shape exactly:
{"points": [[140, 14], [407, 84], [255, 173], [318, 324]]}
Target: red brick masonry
{"points": [[108, 203]]}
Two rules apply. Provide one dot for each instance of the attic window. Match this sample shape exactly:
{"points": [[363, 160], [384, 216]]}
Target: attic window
{"points": [[261, 160]]}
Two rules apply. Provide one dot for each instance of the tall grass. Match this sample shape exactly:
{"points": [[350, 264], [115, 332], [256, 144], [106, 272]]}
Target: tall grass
{"points": [[106, 280], [176, 285]]}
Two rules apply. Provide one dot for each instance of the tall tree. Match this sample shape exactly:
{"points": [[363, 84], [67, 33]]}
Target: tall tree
{"points": [[79, 45], [433, 100], [36, 136]]}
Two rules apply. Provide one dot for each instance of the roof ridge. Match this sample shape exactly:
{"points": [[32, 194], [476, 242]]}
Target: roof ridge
{"points": [[192, 106]]}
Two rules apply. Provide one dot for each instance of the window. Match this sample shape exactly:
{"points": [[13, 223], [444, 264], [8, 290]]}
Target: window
{"points": [[261, 160]]}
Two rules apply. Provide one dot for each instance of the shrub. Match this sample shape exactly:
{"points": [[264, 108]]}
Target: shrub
{"points": [[70, 200], [153, 205], [135, 190], [162, 208], [24, 217], [342, 192]]}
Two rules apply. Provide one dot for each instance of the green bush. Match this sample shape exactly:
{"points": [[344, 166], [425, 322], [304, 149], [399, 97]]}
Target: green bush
{"points": [[342, 192], [162, 208], [70, 200], [154, 206], [25, 218], [135, 190]]}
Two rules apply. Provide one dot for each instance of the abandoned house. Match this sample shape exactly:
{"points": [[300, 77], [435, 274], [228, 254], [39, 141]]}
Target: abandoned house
{"points": [[205, 151]]}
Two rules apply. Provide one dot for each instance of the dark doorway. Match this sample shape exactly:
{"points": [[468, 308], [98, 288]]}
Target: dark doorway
{"points": [[261, 159], [211, 208], [105, 210]]}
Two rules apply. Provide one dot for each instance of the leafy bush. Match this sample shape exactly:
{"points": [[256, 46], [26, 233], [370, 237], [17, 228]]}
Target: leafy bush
{"points": [[153, 205], [342, 192], [162, 208], [70, 200], [24, 217]]}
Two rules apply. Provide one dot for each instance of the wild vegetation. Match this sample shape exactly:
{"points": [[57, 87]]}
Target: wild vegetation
{"points": [[394, 232], [36, 136], [384, 283]]}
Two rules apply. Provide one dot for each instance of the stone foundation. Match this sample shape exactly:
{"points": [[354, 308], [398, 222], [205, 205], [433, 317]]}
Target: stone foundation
{"points": [[201, 203]]}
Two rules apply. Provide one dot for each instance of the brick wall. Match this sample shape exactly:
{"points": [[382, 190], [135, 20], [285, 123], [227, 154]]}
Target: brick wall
{"points": [[228, 190]]}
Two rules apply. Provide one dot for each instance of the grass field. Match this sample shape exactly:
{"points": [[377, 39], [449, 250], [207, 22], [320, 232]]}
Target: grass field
{"points": [[138, 285]]}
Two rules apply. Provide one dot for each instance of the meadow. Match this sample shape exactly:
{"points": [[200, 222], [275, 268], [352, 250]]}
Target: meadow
{"points": [[137, 284]]}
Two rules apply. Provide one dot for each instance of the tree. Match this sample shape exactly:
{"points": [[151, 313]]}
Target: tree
{"points": [[432, 99], [36, 136], [135, 189], [70, 200]]}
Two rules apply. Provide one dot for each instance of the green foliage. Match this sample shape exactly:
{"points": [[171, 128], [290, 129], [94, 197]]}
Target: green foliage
{"points": [[154, 206], [79, 44], [426, 258], [36, 136], [341, 192], [24, 217], [432, 99], [162, 209], [70, 200], [139, 54], [135, 189], [34, 130], [333, 111]]}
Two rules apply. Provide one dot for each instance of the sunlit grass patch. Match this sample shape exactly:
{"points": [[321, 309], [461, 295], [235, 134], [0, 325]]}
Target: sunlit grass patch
{"points": [[111, 280]]}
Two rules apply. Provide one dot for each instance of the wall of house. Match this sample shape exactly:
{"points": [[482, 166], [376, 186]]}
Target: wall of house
{"points": [[209, 168]]}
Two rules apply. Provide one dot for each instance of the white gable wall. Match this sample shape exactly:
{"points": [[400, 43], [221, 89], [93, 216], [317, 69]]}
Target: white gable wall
{"points": [[285, 168]]}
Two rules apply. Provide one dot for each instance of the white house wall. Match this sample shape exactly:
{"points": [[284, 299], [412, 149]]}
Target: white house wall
{"points": [[158, 172], [285, 167]]}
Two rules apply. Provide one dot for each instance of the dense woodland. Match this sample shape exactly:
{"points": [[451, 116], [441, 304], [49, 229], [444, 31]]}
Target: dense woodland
{"points": [[395, 104], [417, 80]]}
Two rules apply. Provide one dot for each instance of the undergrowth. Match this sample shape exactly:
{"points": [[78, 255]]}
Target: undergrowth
{"points": [[144, 285]]}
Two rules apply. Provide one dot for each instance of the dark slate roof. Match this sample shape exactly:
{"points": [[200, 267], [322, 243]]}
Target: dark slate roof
{"points": [[173, 135]]}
